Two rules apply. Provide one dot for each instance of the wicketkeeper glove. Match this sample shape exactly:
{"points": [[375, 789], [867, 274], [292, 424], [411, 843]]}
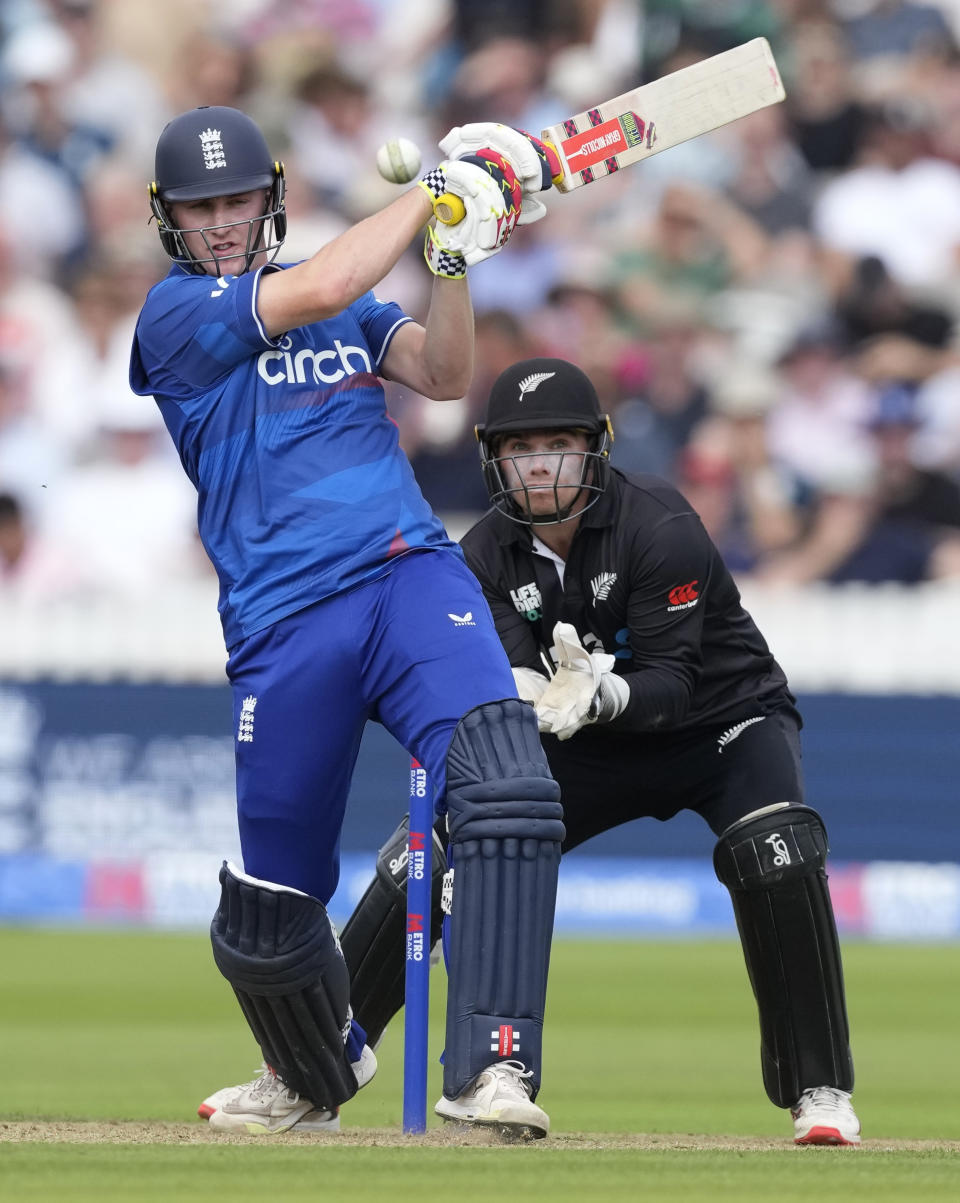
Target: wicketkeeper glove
{"points": [[535, 162], [530, 684], [584, 689]]}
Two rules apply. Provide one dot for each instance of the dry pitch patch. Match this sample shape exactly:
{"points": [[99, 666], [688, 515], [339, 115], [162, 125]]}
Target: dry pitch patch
{"points": [[450, 1136]]}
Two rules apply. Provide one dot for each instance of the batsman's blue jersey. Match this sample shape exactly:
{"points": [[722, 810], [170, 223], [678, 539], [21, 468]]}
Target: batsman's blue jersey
{"points": [[303, 490]]}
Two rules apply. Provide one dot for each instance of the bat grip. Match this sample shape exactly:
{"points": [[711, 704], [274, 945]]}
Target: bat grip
{"points": [[449, 209]]}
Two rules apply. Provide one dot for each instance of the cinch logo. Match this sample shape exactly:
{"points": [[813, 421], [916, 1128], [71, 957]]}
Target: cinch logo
{"points": [[527, 601], [682, 597], [322, 367], [504, 1040], [245, 726]]}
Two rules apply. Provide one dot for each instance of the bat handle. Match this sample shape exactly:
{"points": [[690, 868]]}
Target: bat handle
{"points": [[449, 209]]}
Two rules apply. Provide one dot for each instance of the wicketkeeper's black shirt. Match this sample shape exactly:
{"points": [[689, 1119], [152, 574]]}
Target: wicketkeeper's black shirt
{"points": [[644, 582]]}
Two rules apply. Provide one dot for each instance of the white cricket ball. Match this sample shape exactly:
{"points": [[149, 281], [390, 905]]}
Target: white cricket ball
{"points": [[399, 160]]}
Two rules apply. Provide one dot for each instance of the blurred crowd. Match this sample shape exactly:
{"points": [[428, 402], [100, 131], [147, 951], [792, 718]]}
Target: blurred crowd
{"points": [[769, 311]]}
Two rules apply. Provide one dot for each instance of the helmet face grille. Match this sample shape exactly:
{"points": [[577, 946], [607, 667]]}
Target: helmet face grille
{"points": [[503, 477]]}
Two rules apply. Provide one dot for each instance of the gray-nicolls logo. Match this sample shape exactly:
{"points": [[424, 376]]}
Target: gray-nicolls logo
{"points": [[245, 726], [781, 854], [213, 153], [530, 383]]}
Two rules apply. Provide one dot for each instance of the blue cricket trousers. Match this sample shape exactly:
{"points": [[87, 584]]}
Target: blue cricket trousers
{"points": [[414, 649]]}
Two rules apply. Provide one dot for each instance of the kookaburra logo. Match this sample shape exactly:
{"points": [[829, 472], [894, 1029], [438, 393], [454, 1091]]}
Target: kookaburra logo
{"points": [[779, 846], [529, 383], [213, 153]]}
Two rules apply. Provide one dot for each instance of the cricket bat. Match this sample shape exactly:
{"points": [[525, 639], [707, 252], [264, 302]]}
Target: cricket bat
{"points": [[655, 116]]}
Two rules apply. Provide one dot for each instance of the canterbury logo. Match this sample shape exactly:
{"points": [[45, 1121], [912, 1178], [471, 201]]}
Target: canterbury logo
{"points": [[682, 597], [530, 383]]}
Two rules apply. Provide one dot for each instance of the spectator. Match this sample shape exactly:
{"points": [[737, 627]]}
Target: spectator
{"points": [[33, 568], [894, 29], [654, 422], [906, 492], [752, 506], [334, 129], [45, 157], [30, 457], [129, 511], [105, 90], [873, 304], [898, 203], [903, 525], [818, 427], [826, 116], [771, 184], [698, 244]]}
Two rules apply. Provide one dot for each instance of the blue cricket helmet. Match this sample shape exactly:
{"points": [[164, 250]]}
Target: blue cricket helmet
{"points": [[216, 151]]}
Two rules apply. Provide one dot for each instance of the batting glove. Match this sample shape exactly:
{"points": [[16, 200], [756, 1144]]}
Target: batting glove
{"points": [[584, 689], [535, 162], [450, 265], [488, 193]]}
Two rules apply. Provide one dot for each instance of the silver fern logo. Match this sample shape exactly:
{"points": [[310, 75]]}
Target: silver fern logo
{"points": [[601, 586], [530, 384], [735, 732]]}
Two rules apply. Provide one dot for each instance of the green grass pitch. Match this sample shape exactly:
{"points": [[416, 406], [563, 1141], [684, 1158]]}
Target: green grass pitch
{"points": [[651, 1080]]}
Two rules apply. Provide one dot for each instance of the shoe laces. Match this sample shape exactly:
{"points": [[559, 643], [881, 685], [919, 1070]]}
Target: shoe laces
{"points": [[513, 1076], [827, 1098], [268, 1086]]}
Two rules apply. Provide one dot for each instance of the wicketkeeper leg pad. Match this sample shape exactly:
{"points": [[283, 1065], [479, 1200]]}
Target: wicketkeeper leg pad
{"points": [[505, 824], [772, 862], [277, 949], [374, 936]]}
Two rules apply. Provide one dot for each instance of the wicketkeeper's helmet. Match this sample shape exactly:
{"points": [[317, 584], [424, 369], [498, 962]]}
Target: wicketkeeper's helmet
{"points": [[543, 394], [216, 151]]}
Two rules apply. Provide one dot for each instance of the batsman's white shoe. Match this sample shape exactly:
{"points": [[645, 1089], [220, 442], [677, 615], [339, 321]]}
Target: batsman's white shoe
{"points": [[498, 1097], [265, 1105], [823, 1116]]}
